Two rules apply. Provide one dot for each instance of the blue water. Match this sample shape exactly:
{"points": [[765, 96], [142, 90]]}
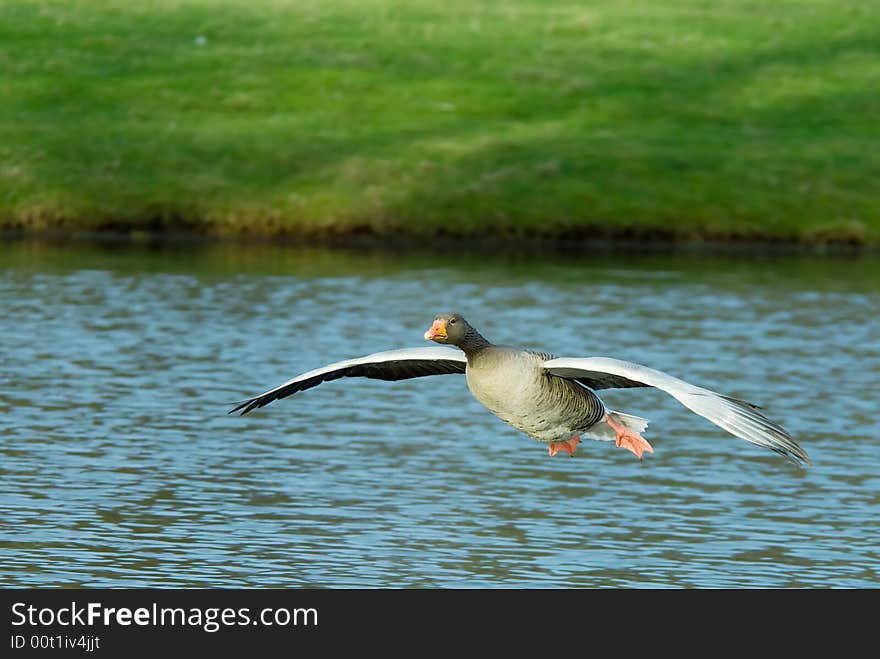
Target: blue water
{"points": [[120, 466]]}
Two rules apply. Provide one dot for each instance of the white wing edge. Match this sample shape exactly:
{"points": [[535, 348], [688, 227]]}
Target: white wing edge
{"points": [[736, 417]]}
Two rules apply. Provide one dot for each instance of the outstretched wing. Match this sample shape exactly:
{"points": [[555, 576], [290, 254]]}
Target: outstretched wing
{"points": [[735, 416], [389, 365]]}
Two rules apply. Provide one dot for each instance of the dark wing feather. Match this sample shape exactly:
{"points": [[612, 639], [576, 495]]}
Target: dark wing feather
{"points": [[389, 365], [596, 380]]}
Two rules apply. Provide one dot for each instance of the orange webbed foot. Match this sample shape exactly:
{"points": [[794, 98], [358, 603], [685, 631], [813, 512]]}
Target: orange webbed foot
{"points": [[629, 439], [568, 446]]}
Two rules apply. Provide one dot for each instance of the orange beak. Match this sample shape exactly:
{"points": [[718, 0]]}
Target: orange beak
{"points": [[436, 331]]}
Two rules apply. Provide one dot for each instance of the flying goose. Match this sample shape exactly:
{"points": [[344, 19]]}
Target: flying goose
{"points": [[552, 399]]}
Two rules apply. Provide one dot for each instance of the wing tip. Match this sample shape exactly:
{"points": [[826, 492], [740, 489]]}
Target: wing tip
{"points": [[779, 440], [769, 433], [787, 446], [799, 457], [248, 405]]}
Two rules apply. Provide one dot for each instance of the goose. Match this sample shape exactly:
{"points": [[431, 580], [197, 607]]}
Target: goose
{"points": [[551, 399]]}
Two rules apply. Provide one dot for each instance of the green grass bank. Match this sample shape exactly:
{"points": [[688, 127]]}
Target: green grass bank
{"points": [[679, 119]]}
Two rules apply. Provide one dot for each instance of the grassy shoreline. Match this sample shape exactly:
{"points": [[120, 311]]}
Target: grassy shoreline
{"points": [[500, 121]]}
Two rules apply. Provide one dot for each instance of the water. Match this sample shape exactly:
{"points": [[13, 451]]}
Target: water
{"points": [[120, 466]]}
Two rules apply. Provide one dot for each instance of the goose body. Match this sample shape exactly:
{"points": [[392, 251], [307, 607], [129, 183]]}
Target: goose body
{"points": [[514, 385], [551, 399]]}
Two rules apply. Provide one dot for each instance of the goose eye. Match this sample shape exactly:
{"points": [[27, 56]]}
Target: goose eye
{"points": [[452, 321]]}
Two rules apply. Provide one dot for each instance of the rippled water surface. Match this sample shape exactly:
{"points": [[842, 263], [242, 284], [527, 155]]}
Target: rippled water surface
{"points": [[120, 466]]}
